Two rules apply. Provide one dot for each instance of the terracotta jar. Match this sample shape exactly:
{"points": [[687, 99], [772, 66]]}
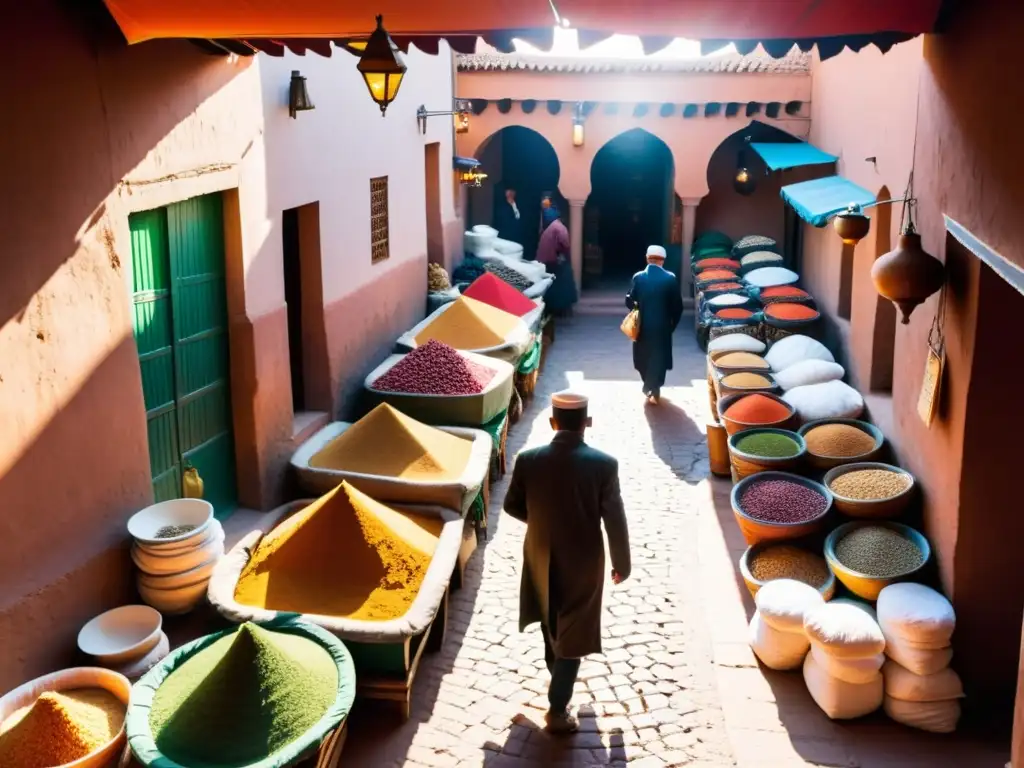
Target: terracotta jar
{"points": [[908, 275]]}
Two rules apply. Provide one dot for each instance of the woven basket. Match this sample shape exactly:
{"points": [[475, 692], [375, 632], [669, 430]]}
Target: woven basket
{"points": [[733, 426], [755, 531], [863, 585], [827, 590], [873, 509], [747, 464], [828, 462]]}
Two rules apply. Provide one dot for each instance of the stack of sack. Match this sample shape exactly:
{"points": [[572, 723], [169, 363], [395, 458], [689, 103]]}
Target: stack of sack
{"points": [[921, 690], [777, 634], [843, 670], [811, 380]]}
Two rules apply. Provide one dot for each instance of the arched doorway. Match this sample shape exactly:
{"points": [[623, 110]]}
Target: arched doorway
{"points": [[629, 208], [763, 211], [522, 159]]}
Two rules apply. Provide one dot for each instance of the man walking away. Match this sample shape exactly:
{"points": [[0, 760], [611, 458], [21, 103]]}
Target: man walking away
{"points": [[655, 292], [563, 491]]}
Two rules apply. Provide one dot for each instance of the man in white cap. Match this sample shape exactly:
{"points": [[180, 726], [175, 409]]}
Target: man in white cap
{"points": [[655, 292], [563, 491]]}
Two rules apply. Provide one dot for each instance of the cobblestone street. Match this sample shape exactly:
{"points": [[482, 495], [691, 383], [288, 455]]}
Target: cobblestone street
{"points": [[677, 684]]}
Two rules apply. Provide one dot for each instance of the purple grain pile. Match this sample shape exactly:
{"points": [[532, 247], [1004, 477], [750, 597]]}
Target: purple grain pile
{"points": [[435, 369], [781, 501]]}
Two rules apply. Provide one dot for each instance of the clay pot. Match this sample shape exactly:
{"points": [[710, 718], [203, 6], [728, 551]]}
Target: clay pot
{"points": [[852, 226], [908, 275]]}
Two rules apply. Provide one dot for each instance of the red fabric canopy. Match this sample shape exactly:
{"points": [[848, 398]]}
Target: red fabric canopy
{"points": [[528, 19]]}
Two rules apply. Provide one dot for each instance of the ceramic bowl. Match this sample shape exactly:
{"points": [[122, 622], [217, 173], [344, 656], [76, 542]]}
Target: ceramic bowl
{"points": [[144, 525], [68, 679], [862, 584], [200, 572], [213, 530], [136, 669], [160, 564], [177, 601], [121, 635]]}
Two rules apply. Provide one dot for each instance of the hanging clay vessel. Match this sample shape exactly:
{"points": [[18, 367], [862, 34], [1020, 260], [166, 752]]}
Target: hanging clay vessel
{"points": [[852, 225], [908, 275]]}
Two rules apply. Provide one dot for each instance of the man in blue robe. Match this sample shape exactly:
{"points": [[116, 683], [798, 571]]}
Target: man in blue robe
{"points": [[655, 292]]}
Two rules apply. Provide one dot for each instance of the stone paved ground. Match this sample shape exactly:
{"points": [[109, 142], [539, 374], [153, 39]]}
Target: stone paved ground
{"points": [[677, 684]]}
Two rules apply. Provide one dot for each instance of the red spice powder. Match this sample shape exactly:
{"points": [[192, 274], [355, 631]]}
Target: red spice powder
{"points": [[716, 274], [784, 291], [787, 311], [491, 289], [719, 263], [725, 287], [734, 313], [757, 409]]}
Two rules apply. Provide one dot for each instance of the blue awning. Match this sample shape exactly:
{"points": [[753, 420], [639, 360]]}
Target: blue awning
{"points": [[464, 163], [779, 156], [817, 200]]}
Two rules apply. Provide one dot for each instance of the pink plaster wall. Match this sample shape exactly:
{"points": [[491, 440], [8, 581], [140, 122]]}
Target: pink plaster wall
{"points": [[866, 105], [692, 140], [103, 130]]}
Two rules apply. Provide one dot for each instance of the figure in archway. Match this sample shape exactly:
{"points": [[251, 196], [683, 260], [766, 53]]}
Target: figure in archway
{"points": [[655, 293], [553, 252], [507, 218]]}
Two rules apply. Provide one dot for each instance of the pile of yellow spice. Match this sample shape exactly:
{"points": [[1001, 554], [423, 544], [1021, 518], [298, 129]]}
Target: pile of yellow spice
{"points": [[59, 728]]}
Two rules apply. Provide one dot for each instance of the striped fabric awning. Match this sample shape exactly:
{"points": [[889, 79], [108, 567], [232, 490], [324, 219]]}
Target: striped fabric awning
{"points": [[272, 25]]}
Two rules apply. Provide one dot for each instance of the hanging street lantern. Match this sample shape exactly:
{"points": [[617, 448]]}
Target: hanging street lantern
{"points": [[462, 122], [298, 95], [743, 182], [577, 125], [382, 67], [471, 178], [908, 275], [852, 225]]}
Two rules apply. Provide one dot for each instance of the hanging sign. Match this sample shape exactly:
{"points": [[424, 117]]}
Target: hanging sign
{"points": [[928, 402]]}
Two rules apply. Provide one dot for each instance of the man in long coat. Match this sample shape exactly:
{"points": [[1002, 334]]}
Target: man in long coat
{"points": [[563, 491], [655, 291], [507, 219]]}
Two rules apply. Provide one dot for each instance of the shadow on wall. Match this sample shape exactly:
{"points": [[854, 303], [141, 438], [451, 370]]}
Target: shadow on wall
{"points": [[92, 111]]}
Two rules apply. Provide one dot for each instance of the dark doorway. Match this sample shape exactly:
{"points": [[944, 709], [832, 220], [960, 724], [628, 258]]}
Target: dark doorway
{"points": [[629, 207], [522, 159], [293, 299], [432, 176]]}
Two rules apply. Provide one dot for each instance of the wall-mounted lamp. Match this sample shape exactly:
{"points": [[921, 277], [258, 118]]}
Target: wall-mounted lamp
{"points": [[298, 96], [469, 171], [382, 67], [908, 274], [577, 125], [460, 112]]}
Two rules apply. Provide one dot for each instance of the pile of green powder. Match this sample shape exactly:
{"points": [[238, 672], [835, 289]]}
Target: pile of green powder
{"points": [[243, 698], [770, 445]]}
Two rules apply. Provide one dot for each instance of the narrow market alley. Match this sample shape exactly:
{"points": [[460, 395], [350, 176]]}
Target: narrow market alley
{"points": [[677, 684]]}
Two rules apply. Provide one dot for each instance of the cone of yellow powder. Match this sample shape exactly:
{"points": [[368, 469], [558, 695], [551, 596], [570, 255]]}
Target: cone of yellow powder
{"points": [[345, 555], [468, 324]]}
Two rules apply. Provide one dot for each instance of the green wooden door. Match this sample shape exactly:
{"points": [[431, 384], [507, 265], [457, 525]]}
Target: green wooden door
{"points": [[182, 336]]}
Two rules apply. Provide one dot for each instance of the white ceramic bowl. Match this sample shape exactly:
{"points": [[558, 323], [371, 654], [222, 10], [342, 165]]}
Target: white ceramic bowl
{"points": [[213, 531], [136, 669], [203, 571], [65, 680], [144, 525], [160, 564], [121, 635], [174, 602]]}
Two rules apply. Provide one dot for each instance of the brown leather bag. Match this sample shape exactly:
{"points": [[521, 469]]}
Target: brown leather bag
{"points": [[631, 325]]}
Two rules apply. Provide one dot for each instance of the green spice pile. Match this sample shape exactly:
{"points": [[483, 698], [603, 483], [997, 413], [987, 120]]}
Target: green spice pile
{"points": [[839, 441], [170, 531], [879, 552], [870, 484], [789, 562], [769, 445], [243, 698]]}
